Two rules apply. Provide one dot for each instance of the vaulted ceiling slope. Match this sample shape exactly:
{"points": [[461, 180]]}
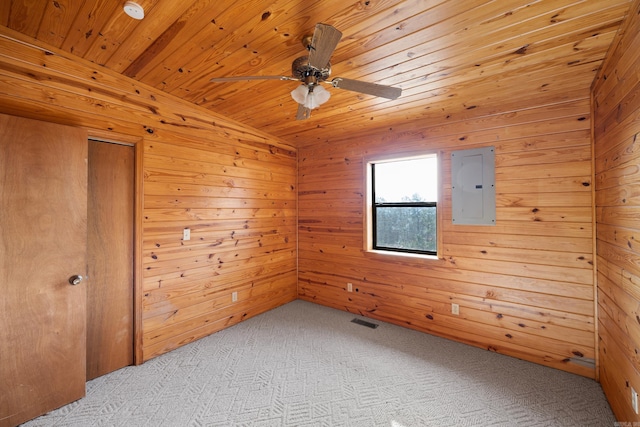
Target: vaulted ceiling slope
{"points": [[453, 59]]}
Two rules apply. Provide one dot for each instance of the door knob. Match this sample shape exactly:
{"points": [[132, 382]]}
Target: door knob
{"points": [[75, 280]]}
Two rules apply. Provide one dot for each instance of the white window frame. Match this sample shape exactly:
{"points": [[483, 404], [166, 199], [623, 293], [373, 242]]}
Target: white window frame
{"points": [[369, 204]]}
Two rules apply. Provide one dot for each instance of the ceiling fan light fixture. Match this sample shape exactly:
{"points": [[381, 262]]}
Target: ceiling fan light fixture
{"points": [[322, 94], [300, 93], [316, 97], [310, 97]]}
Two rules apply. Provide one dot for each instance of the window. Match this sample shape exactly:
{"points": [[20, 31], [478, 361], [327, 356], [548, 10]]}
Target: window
{"points": [[404, 194]]}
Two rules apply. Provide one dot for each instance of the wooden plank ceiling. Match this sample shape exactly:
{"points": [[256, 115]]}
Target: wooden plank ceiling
{"points": [[452, 58]]}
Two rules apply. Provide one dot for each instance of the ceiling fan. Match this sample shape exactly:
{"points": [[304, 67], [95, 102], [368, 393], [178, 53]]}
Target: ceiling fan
{"points": [[314, 69]]}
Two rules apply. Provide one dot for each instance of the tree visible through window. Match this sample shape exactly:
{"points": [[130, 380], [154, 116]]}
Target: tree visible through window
{"points": [[404, 207]]}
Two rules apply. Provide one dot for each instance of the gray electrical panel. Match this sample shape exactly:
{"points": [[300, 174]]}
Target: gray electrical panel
{"points": [[473, 189]]}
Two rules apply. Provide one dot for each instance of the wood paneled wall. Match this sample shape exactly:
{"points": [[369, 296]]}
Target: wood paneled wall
{"points": [[525, 287], [617, 159], [232, 186], [239, 202]]}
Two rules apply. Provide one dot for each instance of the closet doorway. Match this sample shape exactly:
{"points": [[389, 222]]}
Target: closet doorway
{"points": [[110, 257]]}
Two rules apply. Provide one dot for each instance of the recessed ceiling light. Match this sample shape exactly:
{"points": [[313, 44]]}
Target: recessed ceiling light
{"points": [[134, 10]]}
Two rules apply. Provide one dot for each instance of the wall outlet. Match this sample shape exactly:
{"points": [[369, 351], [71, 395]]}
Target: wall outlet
{"points": [[634, 400], [349, 287], [455, 309], [186, 234], [234, 296]]}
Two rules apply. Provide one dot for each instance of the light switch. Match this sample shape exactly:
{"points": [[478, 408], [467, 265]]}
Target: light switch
{"points": [[186, 234]]}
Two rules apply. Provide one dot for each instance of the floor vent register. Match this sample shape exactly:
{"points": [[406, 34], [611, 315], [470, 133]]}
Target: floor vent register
{"points": [[365, 323]]}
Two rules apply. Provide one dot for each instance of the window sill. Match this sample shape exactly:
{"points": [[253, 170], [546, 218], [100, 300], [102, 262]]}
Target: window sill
{"points": [[389, 255]]}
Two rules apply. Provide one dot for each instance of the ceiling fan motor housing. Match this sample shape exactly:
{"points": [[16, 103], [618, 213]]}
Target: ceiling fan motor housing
{"points": [[301, 70]]}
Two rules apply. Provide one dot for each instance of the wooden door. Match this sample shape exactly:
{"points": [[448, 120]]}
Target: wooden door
{"points": [[110, 258], [43, 209]]}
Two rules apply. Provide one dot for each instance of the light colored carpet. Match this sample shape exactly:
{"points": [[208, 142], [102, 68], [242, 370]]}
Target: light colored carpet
{"points": [[307, 365]]}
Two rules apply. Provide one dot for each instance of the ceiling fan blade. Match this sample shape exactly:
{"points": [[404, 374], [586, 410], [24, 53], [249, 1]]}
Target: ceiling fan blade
{"points": [[242, 78], [383, 91], [303, 112], [324, 42]]}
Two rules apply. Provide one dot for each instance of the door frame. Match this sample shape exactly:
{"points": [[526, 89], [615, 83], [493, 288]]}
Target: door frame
{"points": [[137, 143]]}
